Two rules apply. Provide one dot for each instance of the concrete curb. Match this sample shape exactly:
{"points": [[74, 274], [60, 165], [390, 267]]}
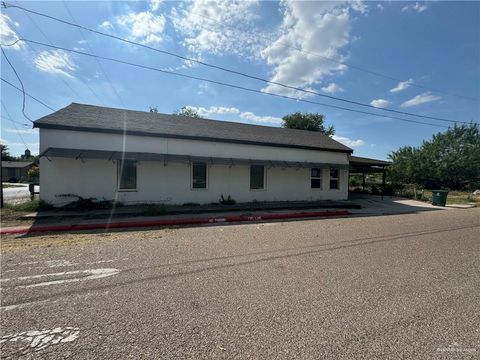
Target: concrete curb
{"points": [[171, 222]]}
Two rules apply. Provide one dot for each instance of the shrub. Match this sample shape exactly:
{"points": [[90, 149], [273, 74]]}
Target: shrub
{"points": [[86, 203], [227, 201]]}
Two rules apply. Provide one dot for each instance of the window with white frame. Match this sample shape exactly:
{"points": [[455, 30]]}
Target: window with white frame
{"points": [[127, 174], [199, 175], [257, 177], [334, 179], [316, 178]]}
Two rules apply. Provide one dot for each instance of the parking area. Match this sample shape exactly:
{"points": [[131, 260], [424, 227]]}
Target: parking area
{"points": [[398, 286]]}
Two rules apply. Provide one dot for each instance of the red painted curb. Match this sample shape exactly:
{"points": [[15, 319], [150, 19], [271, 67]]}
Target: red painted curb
{"points": [[171, 222]]}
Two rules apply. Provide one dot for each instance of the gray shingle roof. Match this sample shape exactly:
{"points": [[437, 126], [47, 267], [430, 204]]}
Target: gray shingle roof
{"points": [[102, 119], [16, 164]]}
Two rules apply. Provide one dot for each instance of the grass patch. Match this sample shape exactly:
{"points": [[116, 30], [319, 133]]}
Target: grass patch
{"points": [[29, 206], [6, 186]]}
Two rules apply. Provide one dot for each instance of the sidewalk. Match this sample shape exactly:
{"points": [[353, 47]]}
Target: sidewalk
{"points": [[73, 224], [128, 211]]}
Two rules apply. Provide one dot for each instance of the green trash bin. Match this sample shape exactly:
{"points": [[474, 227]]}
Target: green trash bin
{"points": [[439, 197]]}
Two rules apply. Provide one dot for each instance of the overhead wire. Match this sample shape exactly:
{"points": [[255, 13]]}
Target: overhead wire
{"points": [[27, 94], [349, 65], [98, 61], [74, 92], [21, 84], [226, 84], [15, 126], [311, 92]]}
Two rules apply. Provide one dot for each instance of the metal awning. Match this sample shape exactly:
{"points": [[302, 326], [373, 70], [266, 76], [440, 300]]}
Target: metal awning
{"points": [[84, 154], [366, 165]]}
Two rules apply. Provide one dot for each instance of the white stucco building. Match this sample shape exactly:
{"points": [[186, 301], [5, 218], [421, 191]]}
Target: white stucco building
{"points": [[142, 157]]}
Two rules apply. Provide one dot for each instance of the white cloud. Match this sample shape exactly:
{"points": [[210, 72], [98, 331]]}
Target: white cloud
{"points": [[321, 28], [380, 7], [420, 99], [7, 34], [221, 27], [22, 131], [402, 86], [155, 4], [380, 103], [144, 27], [416, 7], [348, 142], [332, 88], [55, 62], [107, 25], [205, 112], [246, 116], [359, 6]]}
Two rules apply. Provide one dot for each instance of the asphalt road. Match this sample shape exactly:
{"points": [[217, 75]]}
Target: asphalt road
{"points": [[390, 287]]}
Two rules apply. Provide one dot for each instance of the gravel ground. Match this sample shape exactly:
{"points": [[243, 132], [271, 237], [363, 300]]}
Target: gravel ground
{"points": [[378, 287]]}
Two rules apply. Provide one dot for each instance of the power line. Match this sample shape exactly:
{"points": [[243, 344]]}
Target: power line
{"points": [[227, 84], [30, 96], [13, 122], [21, 83], [98, 61], [352, 66], [16, 122], [75, 93], [226, 69]]}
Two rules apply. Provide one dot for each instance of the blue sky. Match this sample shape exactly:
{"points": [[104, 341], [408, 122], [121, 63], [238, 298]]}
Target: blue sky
{"points": [[422, 45]]}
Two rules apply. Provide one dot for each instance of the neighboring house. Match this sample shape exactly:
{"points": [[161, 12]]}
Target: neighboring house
{"points": [[143, 157], [14, 171]]}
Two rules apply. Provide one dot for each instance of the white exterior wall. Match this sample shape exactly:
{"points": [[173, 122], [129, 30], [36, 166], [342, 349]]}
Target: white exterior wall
{"points": [[171, 184]]}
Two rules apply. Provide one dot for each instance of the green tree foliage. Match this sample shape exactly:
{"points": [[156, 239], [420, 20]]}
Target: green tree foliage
{"points": [[307, 121], [186, 111], [33, 173], [6, 153], [449, 160]]}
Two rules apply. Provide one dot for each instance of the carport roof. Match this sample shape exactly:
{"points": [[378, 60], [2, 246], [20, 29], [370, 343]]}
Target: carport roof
{"points": [[80, 117], [367, 165]]}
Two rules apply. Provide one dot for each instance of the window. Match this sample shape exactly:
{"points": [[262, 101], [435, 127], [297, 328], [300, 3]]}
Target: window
{"points": [[334, 179], [316, 178], [199, 175], [127, 175], [257, 177]]}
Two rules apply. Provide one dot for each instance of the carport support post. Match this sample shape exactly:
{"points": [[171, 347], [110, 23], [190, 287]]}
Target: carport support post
{"points": [[363, 181], [383, 181]]}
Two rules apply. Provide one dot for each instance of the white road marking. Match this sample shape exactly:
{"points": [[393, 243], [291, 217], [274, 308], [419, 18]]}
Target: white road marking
{"points": [[89, 274], [41, 339]]}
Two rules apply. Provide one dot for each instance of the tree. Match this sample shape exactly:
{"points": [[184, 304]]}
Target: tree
{"points": [[307, 121], [5, 153], [153, 109], [33, 173], [187, 111], [450, 159]]}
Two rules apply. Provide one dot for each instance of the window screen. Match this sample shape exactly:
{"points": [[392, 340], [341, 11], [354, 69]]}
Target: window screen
{"points": [[199, 175], [334, 179], [257, 177], [127, 175], [316, 178]]}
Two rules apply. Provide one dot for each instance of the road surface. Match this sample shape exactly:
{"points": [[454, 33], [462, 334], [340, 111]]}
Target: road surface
{"points": [[17, 194], [400, 286]]}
